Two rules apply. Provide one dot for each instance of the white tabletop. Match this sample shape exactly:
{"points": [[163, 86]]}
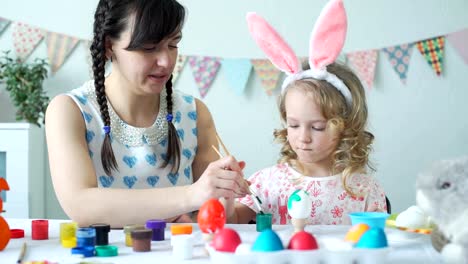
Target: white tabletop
{"points": [[404, 247]]}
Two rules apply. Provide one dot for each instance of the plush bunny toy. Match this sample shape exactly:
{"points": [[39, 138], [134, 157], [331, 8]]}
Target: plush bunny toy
{"points": [[442, 192]]}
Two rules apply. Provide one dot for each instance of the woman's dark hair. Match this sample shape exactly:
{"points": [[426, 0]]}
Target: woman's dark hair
{"points": [[154, 20]]}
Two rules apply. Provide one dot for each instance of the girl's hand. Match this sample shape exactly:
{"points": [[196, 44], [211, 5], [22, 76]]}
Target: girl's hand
{"points": [[222, 178]]}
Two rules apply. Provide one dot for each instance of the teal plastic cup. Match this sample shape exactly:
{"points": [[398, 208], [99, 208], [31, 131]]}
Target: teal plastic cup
{"points": [[372, 219]]}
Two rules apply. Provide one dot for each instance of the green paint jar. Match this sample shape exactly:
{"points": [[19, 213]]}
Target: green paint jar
{"points": [[263, 222]]}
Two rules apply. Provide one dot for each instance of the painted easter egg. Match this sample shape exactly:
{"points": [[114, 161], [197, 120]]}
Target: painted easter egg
{"points": [[226, 240], [5, 233], [243, 249], [211, 216], [355, 232], [303, 241], [373, 238], [266, 241], [299, 204]]}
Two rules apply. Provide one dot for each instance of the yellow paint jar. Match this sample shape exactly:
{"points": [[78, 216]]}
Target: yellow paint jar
{"points": [[128, 231], [68, 233]]}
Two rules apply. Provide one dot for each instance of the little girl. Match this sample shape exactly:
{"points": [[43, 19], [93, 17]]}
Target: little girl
{"points": [[325, 145]]}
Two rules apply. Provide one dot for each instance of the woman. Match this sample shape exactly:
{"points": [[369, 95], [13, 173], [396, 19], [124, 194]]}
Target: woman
{"points": [[127, 147]]}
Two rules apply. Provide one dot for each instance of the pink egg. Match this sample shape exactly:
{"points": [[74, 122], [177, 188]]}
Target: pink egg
{"points": [[226, 240]]}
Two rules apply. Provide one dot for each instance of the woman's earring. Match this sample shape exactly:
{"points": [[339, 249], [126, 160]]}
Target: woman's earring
{"points": [[110, 57]]}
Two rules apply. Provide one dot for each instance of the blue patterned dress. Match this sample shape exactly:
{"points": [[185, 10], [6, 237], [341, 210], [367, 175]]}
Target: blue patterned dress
{"points": [[140, 152]]}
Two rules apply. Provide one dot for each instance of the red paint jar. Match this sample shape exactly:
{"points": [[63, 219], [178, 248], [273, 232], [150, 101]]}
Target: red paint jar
{"points": [[40, 230]]}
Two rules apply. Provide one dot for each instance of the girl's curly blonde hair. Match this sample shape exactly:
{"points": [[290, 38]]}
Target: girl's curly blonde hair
{"points": [[348, 121]]}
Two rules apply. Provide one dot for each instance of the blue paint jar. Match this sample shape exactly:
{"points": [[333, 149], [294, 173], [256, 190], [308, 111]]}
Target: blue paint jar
{"points": [[85, 252], [86, 237]]}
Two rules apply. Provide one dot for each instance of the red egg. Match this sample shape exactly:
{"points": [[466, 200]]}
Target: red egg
{"points": [[211, 216], [226, 240], [303, 241]]}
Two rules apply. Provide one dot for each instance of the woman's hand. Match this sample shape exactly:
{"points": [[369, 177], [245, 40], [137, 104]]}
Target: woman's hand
{"points": [[222, 178], [185, 218]]}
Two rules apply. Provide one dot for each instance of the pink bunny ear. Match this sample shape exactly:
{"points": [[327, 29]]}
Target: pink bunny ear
{"points": [[328, 36], [276, 49]]}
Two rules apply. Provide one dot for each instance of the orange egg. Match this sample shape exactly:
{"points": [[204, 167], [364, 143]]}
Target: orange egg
{"points": [[355, 232], [5, 233]]}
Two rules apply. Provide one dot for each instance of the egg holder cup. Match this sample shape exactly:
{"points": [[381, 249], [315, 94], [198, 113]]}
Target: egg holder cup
{"points": [[332, 249], [322, 255]]}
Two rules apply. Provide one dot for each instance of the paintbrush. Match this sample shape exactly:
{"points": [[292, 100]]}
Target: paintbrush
{"points": [[22, 253], [255, 197]]}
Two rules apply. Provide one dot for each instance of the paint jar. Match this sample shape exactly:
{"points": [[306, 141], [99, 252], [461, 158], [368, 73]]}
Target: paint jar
{"points": [[86, 237], [141, 240], [40, 229], [128, 230], [263, 222], [182, 246], [17, 233], [181, 229], [102, 233], [158, 227], [69, 243], [106, 251], [68, 234], [85, 252]]}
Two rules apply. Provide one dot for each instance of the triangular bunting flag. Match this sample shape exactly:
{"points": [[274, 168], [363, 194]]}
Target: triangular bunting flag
{"points": [[342, 59], [433, 51], [178, 67], [89, 60], [304, 61], [59, 48], [204, 71], [364, 63], [237, 73], [268, 73], [399, 57], [25, 39], [459, 41], [3, 24]]}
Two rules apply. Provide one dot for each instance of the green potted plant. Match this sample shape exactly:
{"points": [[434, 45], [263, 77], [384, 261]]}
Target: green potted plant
{"points": [[24, 83]]}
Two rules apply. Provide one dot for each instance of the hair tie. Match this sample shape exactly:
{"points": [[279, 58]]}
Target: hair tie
{"points": [[169, 118], [106, 129]]}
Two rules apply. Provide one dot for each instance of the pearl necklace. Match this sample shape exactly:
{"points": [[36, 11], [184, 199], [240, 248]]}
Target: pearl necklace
{"points": [[135, 136]]}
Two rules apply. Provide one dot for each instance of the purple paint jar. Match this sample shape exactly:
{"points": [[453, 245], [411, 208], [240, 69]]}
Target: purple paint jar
{"points": [[158, 227]]}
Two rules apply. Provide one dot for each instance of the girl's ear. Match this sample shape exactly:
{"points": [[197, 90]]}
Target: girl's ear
{"points": [[328, 36], [276, 49]]}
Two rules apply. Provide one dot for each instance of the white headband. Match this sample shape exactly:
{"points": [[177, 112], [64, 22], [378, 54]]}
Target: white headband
{"points": [[320, 75]]}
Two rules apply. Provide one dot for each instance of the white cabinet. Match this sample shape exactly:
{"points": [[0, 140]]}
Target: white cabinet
{"points": [[22, 152]]}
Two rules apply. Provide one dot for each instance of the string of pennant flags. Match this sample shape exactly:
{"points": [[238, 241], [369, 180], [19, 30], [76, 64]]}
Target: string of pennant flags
{"points": [[238, 70]]}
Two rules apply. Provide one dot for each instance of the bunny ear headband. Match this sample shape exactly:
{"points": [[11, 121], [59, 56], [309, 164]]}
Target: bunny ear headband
{"points": [[326, 41]]}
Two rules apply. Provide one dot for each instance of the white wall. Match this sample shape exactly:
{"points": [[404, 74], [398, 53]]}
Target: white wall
{"points": [[414, 124]]}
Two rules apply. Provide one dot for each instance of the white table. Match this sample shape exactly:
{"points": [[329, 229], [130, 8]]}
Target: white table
{"points": [[404, 247]]}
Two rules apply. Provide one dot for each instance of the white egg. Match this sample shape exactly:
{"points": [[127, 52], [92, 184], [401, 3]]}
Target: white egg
{"points": [[413, 217], [243, 249]]}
